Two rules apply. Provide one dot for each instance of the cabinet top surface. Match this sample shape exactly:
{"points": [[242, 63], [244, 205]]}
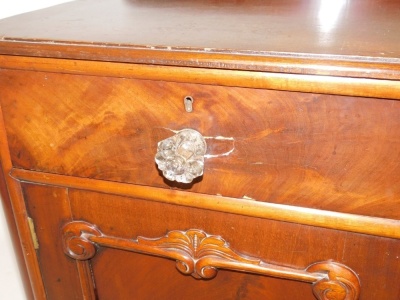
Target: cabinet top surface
{"points": [[355, 29]]}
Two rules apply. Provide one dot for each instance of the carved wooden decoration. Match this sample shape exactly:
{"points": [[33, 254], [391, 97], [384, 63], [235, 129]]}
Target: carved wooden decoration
{"points": [[201, 255]]}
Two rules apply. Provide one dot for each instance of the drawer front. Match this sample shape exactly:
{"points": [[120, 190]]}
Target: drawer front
{"points": [[321, 151], [114, 268]]}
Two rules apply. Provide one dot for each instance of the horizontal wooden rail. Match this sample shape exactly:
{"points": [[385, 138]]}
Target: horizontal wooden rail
{"points": [[263, 61], [347, 86], [247, 207]]}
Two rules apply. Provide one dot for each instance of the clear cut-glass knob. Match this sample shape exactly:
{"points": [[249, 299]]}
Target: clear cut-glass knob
{"points": [[181, 157]]}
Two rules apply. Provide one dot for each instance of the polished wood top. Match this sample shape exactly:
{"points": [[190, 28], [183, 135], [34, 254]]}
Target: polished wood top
{"points": [[346, 38], [366, 28]]}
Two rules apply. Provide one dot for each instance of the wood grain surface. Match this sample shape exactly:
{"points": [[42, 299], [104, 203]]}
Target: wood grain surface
{"points": [[375, 259], [19, 228], [12, 228], [382, 227], [319, 151], [298, 102], [366, 28]]}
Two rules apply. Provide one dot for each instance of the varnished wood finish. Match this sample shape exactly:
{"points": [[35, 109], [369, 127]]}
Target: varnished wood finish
{"points": [[8, 213], [290, 245], [248, 207], [275, 142], [298, 102], [20, 220], [277, 81], [320, 37], [201, 255], [60, 277]]}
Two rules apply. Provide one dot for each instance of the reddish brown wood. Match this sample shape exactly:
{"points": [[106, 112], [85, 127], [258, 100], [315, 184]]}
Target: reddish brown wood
{"points": [[8, 212], [277, 141], [289, 245], [342, 282], [20, 218], [201, 255], [281, 243], [314, 217], [225, 60], [147, 277], [291, 36], [364, 87], [301, 116], [49, 207]]}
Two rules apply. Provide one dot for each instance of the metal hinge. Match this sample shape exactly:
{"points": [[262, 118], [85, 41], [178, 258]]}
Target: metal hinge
{"points": [[33, 233]]}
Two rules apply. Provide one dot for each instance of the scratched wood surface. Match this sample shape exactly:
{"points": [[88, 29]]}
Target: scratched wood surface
{"points": [[321, 151], [286, 94], [374, 259], [367, 30]]}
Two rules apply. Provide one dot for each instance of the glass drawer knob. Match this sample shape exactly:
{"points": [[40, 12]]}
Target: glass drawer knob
{"points": [[181, 157]]}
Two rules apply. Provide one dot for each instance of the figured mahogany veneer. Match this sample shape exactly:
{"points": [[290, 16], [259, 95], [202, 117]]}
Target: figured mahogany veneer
{"points": [[274, 141], [297, 101]]}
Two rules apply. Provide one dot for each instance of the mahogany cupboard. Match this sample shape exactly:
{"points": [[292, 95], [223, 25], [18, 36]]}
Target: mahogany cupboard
{"points": [[204, 149]]}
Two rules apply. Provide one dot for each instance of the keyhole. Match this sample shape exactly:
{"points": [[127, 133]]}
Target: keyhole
{"points": [[188, 102]]}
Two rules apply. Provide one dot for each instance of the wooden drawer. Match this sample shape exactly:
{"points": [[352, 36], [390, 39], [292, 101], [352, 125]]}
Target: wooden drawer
{"points": [[335, 153]]}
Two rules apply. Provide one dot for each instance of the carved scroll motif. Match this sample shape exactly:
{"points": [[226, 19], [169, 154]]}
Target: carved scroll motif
{"points": [[201, 255], [342, 282]]}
